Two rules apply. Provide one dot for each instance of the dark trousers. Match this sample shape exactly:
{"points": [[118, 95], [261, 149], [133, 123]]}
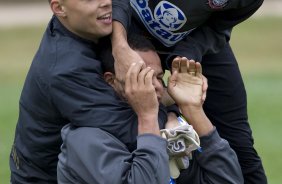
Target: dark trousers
{"points": [[226, 107]]}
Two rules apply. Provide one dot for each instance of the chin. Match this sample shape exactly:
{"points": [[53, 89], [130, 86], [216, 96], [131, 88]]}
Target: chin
{"points": [[107, 31]]}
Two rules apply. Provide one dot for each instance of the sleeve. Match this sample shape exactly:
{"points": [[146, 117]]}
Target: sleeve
{"points": [[95, 156], [217, 163], [82, 96], [215, 33], [122, 12]]}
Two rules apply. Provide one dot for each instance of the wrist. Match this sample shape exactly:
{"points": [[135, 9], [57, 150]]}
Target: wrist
{"points": [[198, 119], [193, 115], [148, 124], [120, 46], [195, 109]]}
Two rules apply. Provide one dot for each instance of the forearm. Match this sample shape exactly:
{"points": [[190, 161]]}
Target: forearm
{"points": [[123, 54], [121, 22], [107, 160], [198, 119], [119, 36], [217, 160], [217, 163]]}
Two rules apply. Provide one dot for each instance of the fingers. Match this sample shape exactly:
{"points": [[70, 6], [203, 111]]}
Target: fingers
{"points": [[192, 67], [137, 75], [184, 65], [205, 88], [132, 75], [174, 71], [143, 74], [136, 69], [198, 74], [180, 64], [198, 68], [175, 65], [149, 78]]}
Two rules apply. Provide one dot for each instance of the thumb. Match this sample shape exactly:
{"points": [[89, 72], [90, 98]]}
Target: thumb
{"points": [[172, 81]]}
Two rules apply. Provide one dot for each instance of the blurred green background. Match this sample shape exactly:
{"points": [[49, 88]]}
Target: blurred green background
{"points": [[257, 44]]}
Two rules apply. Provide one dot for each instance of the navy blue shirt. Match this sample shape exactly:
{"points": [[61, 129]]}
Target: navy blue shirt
{"points": [[186, 28]]}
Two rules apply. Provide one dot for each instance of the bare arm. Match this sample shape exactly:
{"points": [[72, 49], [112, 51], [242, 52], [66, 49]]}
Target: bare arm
{"points": [[217, 163], [119, 36], [124, 56]]}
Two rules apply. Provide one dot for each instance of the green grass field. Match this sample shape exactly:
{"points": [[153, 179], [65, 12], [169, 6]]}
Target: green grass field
{"points": [[258, 47]]}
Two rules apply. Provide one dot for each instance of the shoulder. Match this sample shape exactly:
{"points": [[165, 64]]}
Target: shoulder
{"points": [[88, 137], [73, 60]]}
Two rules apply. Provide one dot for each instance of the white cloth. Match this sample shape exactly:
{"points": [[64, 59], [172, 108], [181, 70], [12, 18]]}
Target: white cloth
{"points": [[182, 140]]}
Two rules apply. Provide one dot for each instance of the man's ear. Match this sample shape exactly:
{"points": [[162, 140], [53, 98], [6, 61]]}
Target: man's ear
{"points": [[57, 8], [109, 78]]}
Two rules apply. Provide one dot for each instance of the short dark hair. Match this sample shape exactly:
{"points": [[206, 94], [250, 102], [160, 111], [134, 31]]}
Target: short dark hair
{"points": [[136, 42]]}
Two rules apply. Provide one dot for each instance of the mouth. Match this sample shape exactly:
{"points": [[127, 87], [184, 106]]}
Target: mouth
{"points": [[106, 18]]}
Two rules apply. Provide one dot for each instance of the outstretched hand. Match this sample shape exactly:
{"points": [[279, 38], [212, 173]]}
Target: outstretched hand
{"points": [[186, 85]]}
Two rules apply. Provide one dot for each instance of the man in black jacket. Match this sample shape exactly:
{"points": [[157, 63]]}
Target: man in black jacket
{"points": [[65, 85]]}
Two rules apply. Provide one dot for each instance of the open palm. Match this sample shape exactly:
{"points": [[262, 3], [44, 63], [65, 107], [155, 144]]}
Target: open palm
{"points": [[185, 85]]}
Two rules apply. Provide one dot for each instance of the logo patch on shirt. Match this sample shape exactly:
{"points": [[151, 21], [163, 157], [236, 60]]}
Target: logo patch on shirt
{"points": [[217, 4], [163, 24], [169, 16]]}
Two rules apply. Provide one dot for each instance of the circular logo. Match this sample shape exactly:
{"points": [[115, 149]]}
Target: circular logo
{"points": [[169, 16], [217, 4]]}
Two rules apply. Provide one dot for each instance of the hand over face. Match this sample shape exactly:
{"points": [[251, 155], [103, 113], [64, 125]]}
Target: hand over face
{"points": [[140, 92], [185, 85]]}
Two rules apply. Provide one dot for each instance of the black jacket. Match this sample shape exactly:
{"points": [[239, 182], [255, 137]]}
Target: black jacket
{"points": [[64, 85]]}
